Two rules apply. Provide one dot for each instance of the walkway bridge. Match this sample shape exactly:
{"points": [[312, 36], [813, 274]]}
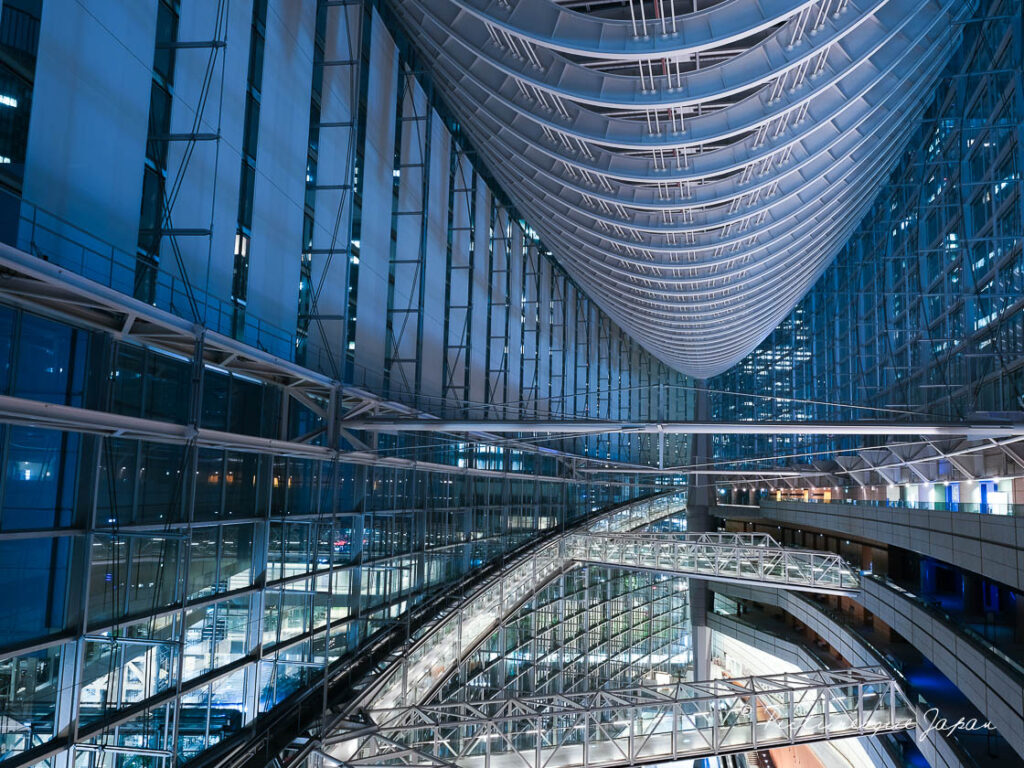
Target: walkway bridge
{"points": [[742, 557], [632, 726]]}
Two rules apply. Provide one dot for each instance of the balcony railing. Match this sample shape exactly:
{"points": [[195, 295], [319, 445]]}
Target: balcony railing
{"points": [[1012, 666]]}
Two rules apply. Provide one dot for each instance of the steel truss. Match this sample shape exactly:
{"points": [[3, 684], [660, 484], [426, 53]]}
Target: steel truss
{"points": [[630, 726], [927, 461], [411, 675], [719, 557], [707, 556], [693, 171]]}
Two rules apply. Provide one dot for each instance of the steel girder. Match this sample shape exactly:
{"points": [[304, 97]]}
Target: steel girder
{"points": [[694, 173], [979, 430]]}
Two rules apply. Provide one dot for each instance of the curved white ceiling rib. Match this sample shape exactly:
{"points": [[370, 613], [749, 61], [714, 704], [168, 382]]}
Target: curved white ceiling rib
{"points": [[694, 173]]}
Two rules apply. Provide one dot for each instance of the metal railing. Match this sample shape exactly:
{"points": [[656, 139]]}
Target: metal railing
{"points": [[895, 668], [719, 538], [891, 666]]}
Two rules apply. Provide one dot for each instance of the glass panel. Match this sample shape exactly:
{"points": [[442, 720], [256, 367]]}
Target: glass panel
{"points": [[40, 480], [241, 487], [161, 483], [118, 474], [153, 575], [209, 484], [7, 319], [236, 557], [126, 388], [202, 566], [168, 383], [35, 592], [29, 685], [51, 361]]}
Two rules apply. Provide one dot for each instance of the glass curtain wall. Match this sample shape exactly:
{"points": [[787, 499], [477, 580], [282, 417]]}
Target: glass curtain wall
{"points": [[922, 312], [593, 627]]}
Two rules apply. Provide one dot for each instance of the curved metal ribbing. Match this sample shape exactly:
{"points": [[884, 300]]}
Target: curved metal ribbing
{"points": [[694, 172]]}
